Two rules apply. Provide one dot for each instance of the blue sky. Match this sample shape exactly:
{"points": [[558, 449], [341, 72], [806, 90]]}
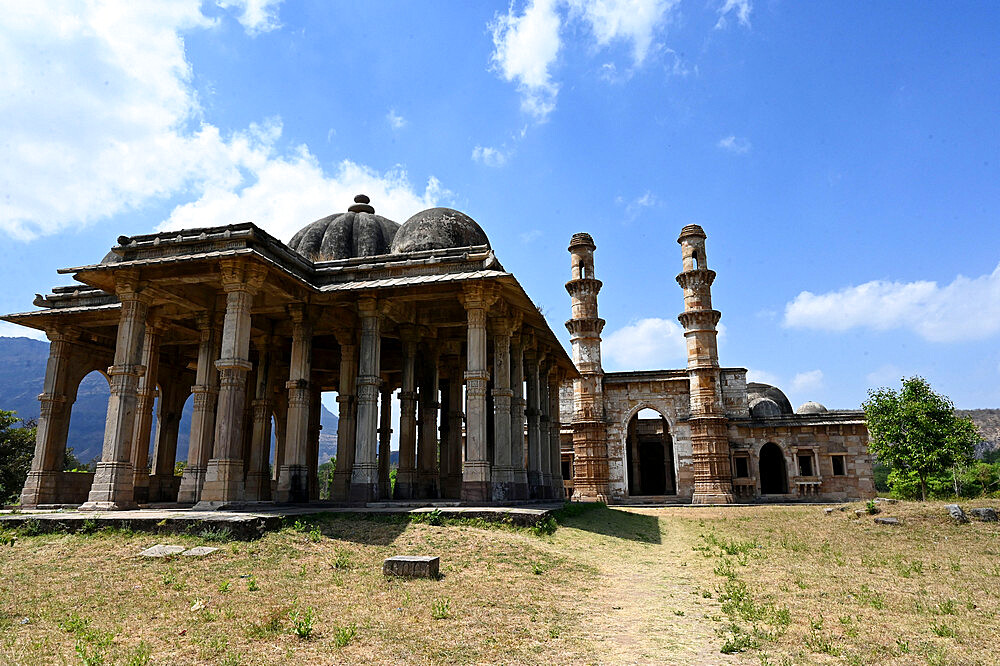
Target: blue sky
{"points": [[844, 158]]}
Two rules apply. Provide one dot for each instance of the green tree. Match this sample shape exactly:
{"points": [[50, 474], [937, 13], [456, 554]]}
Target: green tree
{"points": [[17, 446], [915, 431]]}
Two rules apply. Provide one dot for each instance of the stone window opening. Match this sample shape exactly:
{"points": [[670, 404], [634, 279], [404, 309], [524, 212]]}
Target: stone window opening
{"points": [[741, 467], [839, 465], [806, 464]]}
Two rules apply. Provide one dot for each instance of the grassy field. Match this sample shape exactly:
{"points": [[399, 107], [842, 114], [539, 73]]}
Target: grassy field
{"points": [[684, 585]]}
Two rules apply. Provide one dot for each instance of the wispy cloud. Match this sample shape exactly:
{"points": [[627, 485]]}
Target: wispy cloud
{"points": [[762, 377], [634, 207], [525, 48], [645, 344], [396, 121], [739, 8], [966, 309], [811, 380], [632, 21], [734, 144], [492, 157], [256, 16], [530, 236]]}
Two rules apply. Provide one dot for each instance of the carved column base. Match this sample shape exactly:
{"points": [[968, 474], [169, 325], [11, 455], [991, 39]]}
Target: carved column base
{"points": [[40, 488], [451, 486], [112, 488], [223, 484], [140, 486], [503, 484], [340, 485], [258, 487], [364, 483], [406, 484], [163, 487], [476, 484], [534, 484], [712, 497], [293, 484], [191, 484]]}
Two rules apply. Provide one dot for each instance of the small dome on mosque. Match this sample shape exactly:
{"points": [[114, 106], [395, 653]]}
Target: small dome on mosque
{"points": [[756, 391], [357, 233], [436, 229], [811, 408]]}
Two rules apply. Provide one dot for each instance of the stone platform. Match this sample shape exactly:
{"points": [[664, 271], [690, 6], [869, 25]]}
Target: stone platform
{"points": [[255, 520]]}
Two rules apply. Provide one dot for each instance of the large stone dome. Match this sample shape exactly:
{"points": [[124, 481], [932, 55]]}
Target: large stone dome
{"points": [[357, 233], [757, 393], [436, 229]]}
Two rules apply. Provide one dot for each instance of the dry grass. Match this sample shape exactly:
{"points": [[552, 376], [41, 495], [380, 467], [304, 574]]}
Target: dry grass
{"points": [[778, 584]]}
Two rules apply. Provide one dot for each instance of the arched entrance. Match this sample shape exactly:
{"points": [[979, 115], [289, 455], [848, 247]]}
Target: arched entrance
{"points": [[773, 479], [649, 453]]}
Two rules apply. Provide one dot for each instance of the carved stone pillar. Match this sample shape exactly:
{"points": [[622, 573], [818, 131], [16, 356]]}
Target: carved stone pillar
{"points": [[544, 432], [503, 468], [555, 465], [364, 478], [452, 485], [406, 475], [293, 480], [42, 484], [534, 430], [224, 474], [427, 449], [476, 473], [112, 487], [145, 397], [384, 440], [206, 391], [519, 471], [258, 484], [348, 415]]}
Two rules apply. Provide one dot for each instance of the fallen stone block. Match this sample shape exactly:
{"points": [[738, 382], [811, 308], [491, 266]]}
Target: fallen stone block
{"points": [[162, 550], [828, 512], [412, 566], [886, 500], [199, 551], [985, 514], [888, 521], [955, 511]]}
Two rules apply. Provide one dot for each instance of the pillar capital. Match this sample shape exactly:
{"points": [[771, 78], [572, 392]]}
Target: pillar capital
{"points": [[241, 275]]}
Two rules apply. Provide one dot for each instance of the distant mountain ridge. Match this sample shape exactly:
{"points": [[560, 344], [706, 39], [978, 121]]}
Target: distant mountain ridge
{"points": [[22, 376]]}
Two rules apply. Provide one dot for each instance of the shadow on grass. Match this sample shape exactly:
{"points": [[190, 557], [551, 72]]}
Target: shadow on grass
{"points": [[599, 519]]}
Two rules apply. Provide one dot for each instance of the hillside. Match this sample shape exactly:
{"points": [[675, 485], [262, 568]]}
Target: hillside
{"points": [[22, 374], [988, 421]]}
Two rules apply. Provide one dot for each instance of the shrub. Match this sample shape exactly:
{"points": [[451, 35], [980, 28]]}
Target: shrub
{"points": [[302, 622]]}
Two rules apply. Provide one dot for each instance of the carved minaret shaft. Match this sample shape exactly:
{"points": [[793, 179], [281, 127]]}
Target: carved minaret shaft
{"points": [[713, 482], [590, 447]]}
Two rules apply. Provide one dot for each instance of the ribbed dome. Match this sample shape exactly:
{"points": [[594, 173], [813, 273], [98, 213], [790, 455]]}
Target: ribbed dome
{"points": [[811, 408], [436, 229], [762, 407], [756, 391], [357, 233]]}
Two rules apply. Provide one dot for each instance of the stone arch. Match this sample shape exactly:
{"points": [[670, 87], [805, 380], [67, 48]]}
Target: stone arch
{"points": [[772, 469], [82, 433], [650, 457]]}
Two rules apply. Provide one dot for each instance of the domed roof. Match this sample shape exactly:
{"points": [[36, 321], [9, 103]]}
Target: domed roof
{"points": [[756, 391], [811, 408], [762, 407], [357, 233], [436, 229]]}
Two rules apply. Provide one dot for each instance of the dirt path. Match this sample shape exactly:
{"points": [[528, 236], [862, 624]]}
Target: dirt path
{"points": [[645, 605]]}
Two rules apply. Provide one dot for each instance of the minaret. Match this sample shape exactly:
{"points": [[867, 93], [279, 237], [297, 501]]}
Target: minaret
{"points": [[590, 446], [713, 482]]}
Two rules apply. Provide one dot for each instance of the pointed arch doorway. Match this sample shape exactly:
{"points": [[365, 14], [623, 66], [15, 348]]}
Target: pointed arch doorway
{"points": [[649, 453]]}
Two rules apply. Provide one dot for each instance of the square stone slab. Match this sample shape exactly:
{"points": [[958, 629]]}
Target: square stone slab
{"points": [[412, 566], [199, 551], [162, 550]]}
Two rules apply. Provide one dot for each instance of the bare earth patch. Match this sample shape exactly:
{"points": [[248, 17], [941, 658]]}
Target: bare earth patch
{"points": [[767, 585]]}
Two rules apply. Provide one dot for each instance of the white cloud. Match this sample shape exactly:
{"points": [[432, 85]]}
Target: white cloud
{"points": [[886, 375], [256, 16], [741, 8], [530, 236], [493, 157], [634, 21], [646, 344], [396, 121], [100, 117], [807, 381], [283, 193], [636, 206], [525, 48], [966, 309], [734, 145], [762, 377]]}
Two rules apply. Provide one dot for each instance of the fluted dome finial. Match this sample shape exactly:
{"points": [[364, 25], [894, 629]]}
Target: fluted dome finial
{"points": [[362, 205]]}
